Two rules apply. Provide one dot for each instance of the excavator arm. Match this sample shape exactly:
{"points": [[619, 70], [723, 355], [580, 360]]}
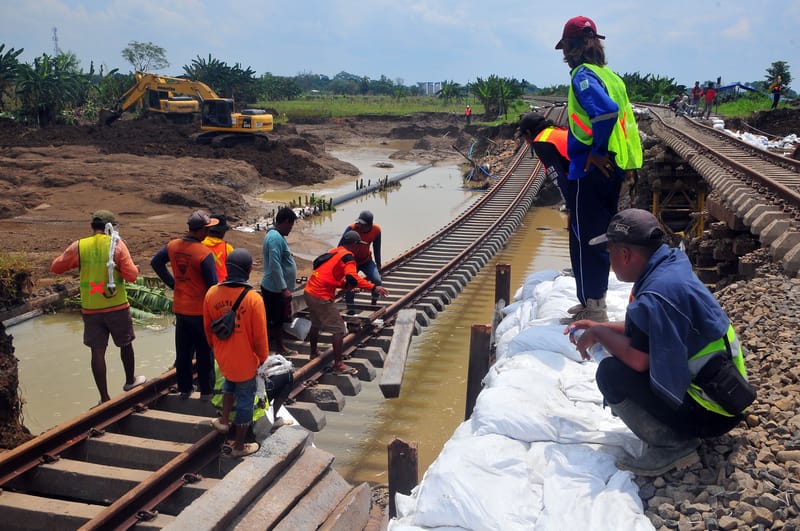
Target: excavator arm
{"points": [[151, 82]]}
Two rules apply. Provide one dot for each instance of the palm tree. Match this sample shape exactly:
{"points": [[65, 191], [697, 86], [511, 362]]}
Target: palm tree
{"points": [[49, 86], [450, 90], [9, 68]]}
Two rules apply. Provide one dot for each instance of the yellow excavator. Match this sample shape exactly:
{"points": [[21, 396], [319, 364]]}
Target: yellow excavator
{"points": [[219, 124]]}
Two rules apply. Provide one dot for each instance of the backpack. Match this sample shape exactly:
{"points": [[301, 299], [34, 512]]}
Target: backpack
{"points": [[321, 259], [223, 326]]}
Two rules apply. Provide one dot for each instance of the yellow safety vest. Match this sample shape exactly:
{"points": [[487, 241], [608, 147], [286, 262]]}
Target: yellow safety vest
{"points": [[93, 256], [697, 362], [624, 141]]}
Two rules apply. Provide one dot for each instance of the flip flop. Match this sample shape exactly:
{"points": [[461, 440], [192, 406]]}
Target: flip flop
{"points": [[286, 353], [343, 370]]}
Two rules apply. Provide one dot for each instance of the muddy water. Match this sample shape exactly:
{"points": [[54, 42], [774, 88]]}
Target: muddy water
{"points": [[432, 398], [56, 380]]}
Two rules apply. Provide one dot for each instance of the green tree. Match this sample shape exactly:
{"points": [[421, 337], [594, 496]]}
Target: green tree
{"points": [[145, 56], [49, 86], [779, 68], [278, 88], [227, 81], [9, 68], [450, 91], [496, 94]]}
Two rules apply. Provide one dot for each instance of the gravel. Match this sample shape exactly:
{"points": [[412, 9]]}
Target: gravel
{"points": [[748, 479]]}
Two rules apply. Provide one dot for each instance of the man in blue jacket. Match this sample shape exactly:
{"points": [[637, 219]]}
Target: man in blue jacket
{"points": [[676, 371]]}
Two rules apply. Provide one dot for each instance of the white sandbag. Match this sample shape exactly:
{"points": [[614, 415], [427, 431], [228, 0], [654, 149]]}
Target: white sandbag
{"points": [[548, 337], [456, 490]]}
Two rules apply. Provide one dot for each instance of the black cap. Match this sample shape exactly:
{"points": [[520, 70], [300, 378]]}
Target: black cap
{"points": [[350, 237], [222, 226], [365, 218], [633, 226]]}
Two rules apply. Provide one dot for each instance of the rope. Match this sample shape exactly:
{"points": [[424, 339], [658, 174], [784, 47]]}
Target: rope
{"points": [[111, 265]]}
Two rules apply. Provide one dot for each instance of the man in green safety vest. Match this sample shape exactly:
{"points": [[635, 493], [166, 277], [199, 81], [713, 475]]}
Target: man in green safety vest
{"points": [[105, 265], [676, 372], [603, 144]]}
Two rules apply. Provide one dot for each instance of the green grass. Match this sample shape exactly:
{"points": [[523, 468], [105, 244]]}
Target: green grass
{"points": [[325, 107], [746, 105]]}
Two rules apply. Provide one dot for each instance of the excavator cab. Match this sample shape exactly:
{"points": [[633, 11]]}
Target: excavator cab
{"points": [[217, 113]]}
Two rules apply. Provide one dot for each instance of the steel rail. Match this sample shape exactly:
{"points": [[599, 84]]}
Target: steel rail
{"points": [[774, 174]]}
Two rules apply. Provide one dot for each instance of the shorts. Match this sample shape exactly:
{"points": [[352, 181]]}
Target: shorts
{"points": [[275, 305], [244, 394], [98, 326], [325, 315]]}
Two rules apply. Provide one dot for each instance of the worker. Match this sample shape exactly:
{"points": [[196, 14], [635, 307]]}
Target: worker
{"points": [[549, 143], [334, 270], [370, 234], [219, 247]]}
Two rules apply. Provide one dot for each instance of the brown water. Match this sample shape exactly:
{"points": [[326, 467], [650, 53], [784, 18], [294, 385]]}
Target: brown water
{"points": [[57, 385], [432, 398]]}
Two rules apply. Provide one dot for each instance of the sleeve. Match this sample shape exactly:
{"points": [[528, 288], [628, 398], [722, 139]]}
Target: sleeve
{"points": [[159, 265], [666, 329], [209, 270], [272, 263], [602, 110], [127, 268], [376, 248], [258, 323], [351, 271], [207, 320], [69, 259]]}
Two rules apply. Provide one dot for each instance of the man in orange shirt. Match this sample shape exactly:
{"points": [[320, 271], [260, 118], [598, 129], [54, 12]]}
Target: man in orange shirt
{"points": [[104, 305], [240, 354], [370, 234], [194, 273], [549, 143], [337, 271]]}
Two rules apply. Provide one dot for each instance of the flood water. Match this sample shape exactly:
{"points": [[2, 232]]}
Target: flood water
{"points": [[56, 380]]}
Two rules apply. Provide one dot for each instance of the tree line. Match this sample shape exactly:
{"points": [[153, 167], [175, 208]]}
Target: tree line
{"points": [[56, 89]]}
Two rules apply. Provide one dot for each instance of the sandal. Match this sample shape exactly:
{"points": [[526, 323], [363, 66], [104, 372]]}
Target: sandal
{"points": [[287, 353], [247, 449], [279, 423], [345, 370]]}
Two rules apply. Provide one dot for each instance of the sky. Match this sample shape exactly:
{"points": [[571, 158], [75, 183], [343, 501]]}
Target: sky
{"points": [[418, 40]]}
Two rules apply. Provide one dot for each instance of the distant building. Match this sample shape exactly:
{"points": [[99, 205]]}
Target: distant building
{"points": [[429, 88]]}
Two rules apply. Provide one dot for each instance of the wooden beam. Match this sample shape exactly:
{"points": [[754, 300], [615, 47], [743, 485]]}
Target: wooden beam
{"points": [[395, 363]]}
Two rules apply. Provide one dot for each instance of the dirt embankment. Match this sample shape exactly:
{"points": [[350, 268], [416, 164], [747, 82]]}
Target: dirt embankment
{"points": [[150, 173]]}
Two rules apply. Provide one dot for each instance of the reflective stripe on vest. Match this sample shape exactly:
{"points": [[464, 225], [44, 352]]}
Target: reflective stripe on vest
{"points": [[624, 141], [698, 361], [556, 136], [220, 252], [93, 256]]}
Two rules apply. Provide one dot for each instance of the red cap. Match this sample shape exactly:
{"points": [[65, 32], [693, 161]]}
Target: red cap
{"points": [[578, 27]]}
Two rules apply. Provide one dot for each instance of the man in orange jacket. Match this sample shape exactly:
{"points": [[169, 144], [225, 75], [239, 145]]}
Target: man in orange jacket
{"points": [[370, 234], [219, 247], [549, 143], [194, 273], [240, 354], [334, 270]]}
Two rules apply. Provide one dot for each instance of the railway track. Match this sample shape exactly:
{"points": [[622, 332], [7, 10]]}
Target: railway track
{"points": [[759, 188], [143, 458]]}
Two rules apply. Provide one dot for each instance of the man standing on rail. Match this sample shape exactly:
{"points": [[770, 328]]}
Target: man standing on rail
{"points": [[603, 143], [370, 234], [676, 371], [334, 270], [241, 353], [194, 273], [280, 272], [104, 301]]}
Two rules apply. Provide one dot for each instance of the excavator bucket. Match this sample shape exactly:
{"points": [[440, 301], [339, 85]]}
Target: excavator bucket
{"points": [[108, 117]]}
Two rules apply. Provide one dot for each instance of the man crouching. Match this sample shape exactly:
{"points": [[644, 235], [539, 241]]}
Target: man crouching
{"points": [[676, 371]]}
